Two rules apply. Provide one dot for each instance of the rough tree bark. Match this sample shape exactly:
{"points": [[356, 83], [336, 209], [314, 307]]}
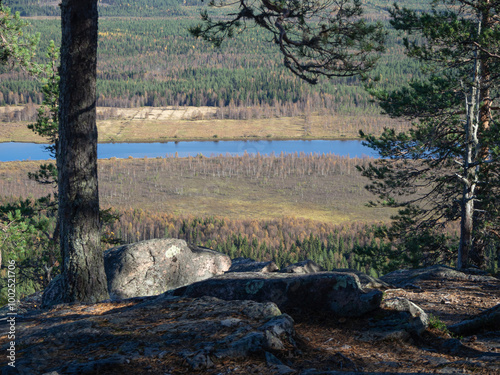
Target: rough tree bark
{"points": [[83, 273]]}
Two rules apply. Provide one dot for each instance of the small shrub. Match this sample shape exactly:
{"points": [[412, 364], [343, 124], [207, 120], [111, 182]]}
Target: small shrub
{"points": [[439, 325]]}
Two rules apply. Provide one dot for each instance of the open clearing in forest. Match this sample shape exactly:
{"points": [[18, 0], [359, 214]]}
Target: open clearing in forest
{"points": [[162, 124], [321, 188]]}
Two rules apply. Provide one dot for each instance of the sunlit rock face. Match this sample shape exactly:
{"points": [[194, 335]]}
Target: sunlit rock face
{"points": [[152, 267]]}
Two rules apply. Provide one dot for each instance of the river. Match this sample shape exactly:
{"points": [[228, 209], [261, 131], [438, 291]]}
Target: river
{"points": [[32, 151]]}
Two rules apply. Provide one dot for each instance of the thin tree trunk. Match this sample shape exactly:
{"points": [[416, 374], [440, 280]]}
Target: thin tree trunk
{"points": [[469, 179], [466, 228], [477, 255], [470, 167], [84, 278]]}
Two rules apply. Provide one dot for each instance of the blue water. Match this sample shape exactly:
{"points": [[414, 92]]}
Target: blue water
{"points": [[31, 151]]}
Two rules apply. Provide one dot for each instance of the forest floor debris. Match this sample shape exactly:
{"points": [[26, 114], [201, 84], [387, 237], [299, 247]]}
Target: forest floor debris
{"points": [[125, 337]]}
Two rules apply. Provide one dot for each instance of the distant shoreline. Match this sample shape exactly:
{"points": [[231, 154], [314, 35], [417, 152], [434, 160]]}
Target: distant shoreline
{"points": [[188, 124], [176, 140]]}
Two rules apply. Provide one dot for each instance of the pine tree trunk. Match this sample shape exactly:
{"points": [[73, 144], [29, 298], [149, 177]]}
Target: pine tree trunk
{"points": [[84, 278]]}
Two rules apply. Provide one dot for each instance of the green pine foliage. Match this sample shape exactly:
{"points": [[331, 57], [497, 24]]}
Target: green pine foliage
{"points": [[445, 168], [25, 233], [26, 228], [315, 39], [16, 45], [47, 121]]}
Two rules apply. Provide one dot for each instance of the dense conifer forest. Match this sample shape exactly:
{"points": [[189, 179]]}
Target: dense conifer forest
{"points": [[153, 61]]}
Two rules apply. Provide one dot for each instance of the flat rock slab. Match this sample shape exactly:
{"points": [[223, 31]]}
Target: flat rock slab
{"points": [[403, 278], [333, 292], [306, 266]]}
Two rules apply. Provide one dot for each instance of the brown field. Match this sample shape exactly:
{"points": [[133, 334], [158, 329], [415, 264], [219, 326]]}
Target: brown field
{"points": [[153, 124], [321, 188], [327, 188]]}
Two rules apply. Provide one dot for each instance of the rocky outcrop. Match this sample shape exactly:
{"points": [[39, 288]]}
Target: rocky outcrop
{"points": [[406, 277], [488, 319], [152, 267], [251, 265], [367, 281], [306, 266], [410, 317], [53, 294], [167, 334], [399, 319], [179, 333], [337, 293]]}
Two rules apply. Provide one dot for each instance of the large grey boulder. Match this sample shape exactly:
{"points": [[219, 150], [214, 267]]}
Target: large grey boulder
{"points": [[152, 267], [337, 293]]}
